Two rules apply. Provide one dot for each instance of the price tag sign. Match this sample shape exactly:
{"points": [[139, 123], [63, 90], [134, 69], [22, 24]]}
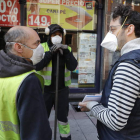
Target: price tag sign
{"points": [[39, 20], [9, 13]]}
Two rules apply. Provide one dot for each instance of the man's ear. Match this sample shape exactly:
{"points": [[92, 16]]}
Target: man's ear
{"points": [[18, 48], [130, 29]]}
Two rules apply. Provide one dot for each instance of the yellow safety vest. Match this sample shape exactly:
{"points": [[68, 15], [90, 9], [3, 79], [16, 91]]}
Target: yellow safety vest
{"points": [[47, 71], [9, 121]]}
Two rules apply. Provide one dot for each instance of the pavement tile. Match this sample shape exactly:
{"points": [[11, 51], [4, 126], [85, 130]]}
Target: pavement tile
{"points": [[81, 124]]}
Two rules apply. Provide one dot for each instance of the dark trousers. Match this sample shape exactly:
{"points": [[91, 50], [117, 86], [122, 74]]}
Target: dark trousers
{"points": [[63, 106]]}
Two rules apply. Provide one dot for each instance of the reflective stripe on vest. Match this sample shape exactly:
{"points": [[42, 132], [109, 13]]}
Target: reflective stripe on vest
{"points": [[47, 71], [64, 129], [8, 126], [9, 121]]}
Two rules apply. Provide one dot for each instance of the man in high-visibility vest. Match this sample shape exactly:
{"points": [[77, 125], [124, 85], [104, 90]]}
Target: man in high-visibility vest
{"points": [[23, 114], [48, 68]]}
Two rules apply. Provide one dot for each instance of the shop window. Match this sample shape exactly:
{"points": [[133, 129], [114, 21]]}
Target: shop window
{"points": [[79, 18], [68, 39], [84, 49]]}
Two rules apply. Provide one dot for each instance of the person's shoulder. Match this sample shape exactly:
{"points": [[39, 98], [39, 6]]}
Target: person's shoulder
{"points": [[31, 83], [44, 43], [127, 65], [32, 76], [69, 47], [31, 79]]}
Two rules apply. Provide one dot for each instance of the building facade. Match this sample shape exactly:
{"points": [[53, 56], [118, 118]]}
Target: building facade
{"points": [[86, 23]]}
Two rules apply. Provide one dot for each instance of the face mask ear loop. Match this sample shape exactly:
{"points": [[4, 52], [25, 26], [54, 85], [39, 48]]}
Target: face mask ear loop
{"points": [[26, 47], [122, 25], [121, 28]]}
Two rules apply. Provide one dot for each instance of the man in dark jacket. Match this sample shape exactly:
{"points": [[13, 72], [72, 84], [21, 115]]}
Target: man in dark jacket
{"points": [[48, 67], [118, 113], [23, 114]]}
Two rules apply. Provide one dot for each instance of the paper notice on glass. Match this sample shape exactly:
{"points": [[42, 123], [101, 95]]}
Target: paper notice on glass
{"points": [[96, 97]]}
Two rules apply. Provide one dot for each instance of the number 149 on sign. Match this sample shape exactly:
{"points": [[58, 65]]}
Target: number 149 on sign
{"points": [[39, 20]]}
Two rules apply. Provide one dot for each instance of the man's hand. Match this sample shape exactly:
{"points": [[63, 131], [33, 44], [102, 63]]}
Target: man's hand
{"points": [[84, 106], [59, 47], [65, 49], [64, 46], [87, 106], [55, 48]]}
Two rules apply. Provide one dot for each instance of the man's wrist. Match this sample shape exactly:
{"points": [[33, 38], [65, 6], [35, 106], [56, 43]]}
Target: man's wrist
{"points": [[91, 104]]}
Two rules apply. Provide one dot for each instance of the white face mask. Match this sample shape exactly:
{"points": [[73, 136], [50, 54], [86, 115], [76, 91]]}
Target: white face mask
{"points": [[38, 53], [56, 39], [110, 42]]}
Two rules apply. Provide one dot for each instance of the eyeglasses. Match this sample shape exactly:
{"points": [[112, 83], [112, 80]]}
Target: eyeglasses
{"points": [[111, 30], [114, 26]]}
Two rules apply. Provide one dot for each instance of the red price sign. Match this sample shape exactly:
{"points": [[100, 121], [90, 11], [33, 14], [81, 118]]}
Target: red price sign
{"points": [[39, 20], [9, 13]]}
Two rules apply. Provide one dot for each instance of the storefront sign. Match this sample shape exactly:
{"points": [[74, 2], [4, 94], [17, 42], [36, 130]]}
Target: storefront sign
{"points": [[9, 13], [70, 14]]}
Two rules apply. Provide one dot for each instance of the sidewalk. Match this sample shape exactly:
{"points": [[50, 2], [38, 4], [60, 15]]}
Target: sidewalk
{"points": [[82, 126]]}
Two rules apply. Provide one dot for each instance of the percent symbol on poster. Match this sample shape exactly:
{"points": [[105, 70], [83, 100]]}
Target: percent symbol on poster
{"points": [[10, 5]]}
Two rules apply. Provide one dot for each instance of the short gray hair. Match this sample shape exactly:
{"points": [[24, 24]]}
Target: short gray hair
{"points": [[16, 35]]}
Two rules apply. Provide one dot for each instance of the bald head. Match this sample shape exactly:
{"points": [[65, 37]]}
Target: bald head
{"points": [[19, 34], [26, 30]]}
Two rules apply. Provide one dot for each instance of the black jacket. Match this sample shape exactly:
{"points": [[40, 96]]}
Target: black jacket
{"points": [[66, 59]]}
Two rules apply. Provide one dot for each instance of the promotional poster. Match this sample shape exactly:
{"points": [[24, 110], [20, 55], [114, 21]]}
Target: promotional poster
{"points": [[70, 14], [9, 13]]}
